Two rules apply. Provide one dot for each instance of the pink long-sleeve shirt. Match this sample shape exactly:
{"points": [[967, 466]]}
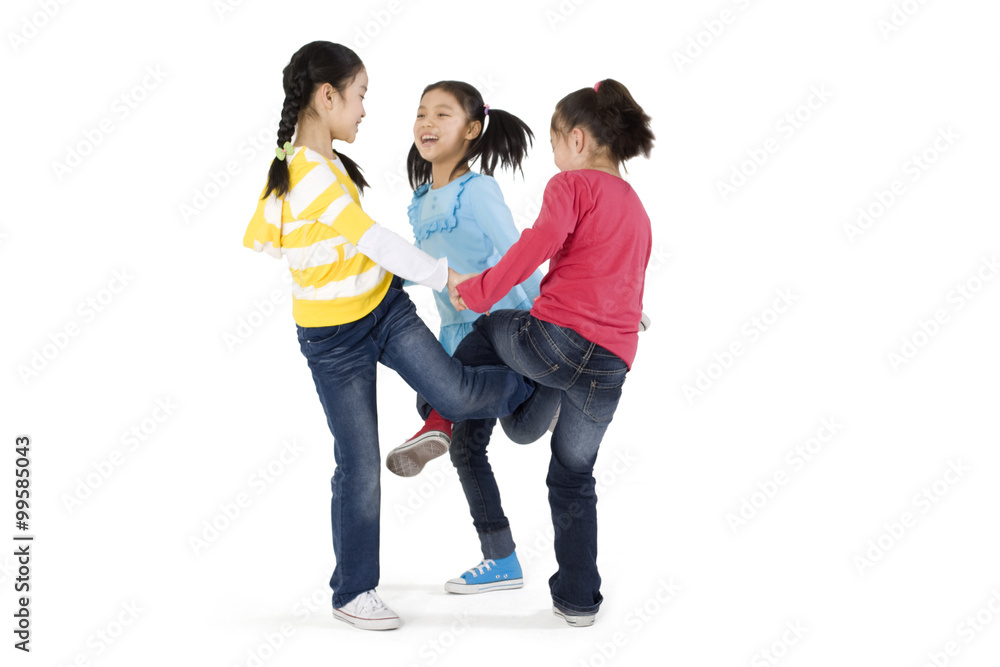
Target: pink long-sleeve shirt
{"points": [[597, 236]]}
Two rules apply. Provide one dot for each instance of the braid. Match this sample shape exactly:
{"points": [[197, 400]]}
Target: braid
{"points": [[278, 179]]}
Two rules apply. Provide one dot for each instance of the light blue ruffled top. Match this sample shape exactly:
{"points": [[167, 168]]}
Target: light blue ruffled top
{"points": [[468, 222]]}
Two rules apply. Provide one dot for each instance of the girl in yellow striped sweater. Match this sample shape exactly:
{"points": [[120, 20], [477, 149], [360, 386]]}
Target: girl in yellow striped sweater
{"points": [[351, 310]]}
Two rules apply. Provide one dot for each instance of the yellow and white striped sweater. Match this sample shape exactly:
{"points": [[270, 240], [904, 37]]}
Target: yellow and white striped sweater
{"points": [[316, 227]]}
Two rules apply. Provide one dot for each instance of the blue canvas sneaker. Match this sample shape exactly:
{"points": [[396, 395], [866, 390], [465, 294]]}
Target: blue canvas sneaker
{"points": [[489, 575]]}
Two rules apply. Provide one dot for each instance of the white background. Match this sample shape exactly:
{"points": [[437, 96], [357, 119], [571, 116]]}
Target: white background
{"points": [[816, 552]]}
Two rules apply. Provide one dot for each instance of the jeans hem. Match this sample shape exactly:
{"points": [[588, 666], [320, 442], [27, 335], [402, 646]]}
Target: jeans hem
{"points": [[573, 609], [342, 599], [497, 545]]}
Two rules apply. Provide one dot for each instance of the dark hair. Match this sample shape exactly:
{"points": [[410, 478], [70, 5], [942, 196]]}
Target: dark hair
{"points": [[311, 66], [505, 138], [611, 115]]}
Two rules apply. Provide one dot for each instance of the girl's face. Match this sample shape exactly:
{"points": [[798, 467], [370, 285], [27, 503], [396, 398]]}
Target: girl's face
{"points": [[442, 131], [348, 109]]}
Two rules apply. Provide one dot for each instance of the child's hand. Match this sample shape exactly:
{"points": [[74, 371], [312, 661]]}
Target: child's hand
{"points": [[454, 280]]}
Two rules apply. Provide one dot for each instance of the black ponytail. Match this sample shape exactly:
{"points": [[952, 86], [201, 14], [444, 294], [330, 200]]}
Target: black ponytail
{"points": [[311, 66], [611, 115], [504, 139]]}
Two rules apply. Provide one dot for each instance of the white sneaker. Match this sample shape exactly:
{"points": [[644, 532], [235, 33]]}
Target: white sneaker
{"points": [[368, 612], [575, 620]]}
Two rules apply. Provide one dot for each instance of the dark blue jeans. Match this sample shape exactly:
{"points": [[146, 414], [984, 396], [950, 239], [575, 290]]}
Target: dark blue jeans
{"points": [[343, 363], [586, 380]]}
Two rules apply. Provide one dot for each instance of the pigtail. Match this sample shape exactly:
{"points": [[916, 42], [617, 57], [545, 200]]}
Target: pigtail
{"points": [[624, 126], [418, 170], [354, 172], [505, 139]]}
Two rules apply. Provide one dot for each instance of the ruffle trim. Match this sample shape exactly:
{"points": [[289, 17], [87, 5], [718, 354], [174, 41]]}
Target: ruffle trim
{"points": [[439, 223]]}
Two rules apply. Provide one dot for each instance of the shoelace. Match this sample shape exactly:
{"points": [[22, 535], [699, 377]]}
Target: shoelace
{"points": [[482, 567], [371, 603]]}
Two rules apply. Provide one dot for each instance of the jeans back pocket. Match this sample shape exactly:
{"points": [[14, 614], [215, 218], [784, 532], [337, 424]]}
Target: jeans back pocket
{"points": [[602, 400]]}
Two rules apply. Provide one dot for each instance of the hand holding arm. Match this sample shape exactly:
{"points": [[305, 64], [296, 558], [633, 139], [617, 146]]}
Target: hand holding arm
{"points": [[454, 280]]}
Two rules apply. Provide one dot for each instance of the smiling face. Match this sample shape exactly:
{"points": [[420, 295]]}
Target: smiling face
{"points": [[348, 108], [442, 131]]}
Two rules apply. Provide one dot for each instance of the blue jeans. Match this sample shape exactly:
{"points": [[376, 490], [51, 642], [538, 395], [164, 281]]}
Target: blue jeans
{"points": [[343, 363], [586, 380]]}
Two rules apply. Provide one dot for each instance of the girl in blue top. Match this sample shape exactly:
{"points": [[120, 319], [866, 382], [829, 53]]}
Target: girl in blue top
{"points": [[460, 214]]}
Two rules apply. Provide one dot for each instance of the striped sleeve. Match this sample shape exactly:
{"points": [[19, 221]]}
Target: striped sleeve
{"points": [[317, 194]]}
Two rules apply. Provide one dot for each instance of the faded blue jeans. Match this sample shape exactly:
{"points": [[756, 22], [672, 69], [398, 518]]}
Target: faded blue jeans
{"points": [[586, 380], [343, 362]]}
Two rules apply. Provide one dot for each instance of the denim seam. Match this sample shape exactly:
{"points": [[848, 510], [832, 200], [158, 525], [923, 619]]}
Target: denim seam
{"points": [[590, 397], [571, 341], [552, 367], [576, 367], [472, 474]]}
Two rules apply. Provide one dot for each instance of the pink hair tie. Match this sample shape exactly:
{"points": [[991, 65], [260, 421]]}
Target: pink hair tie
{"points": [[596, 86], [486, 109]]}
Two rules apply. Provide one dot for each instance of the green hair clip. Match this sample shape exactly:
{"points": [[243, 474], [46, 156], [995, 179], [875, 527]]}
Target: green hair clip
{"points": [[285, 150]]}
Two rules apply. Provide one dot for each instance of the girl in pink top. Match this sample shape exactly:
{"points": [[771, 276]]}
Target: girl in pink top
{"points": [[577, 342]]}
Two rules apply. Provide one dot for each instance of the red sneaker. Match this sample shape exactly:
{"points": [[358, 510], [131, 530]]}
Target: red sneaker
{"points": [[428, 443]]}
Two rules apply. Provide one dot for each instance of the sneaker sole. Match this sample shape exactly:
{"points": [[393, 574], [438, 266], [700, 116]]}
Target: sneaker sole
{"points": [[409, 459], [575, 621], [366, 623], [468, 589]]}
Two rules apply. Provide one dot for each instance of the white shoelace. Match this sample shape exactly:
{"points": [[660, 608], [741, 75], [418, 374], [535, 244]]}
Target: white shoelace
{"points": [[371, 603], [482, 567]]}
